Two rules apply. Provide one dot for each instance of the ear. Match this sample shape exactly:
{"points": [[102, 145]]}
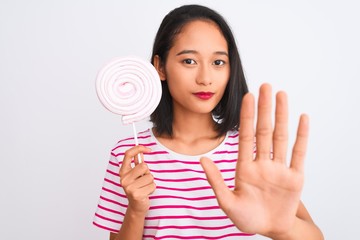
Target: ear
{"points": [[159, 67]]}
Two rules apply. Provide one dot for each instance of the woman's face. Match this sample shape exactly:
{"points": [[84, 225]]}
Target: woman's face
{"points": [[197, 68]]}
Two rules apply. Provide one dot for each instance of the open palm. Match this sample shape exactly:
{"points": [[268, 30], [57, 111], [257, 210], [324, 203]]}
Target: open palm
{"points": [[267, 191]]}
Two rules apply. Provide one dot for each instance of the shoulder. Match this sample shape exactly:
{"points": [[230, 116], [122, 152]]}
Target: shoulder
{"points": [[144, 137], [232, 137], [233, 133], [229, 144]]}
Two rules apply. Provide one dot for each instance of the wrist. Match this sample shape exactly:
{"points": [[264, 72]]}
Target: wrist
{"points": [[285, 232], [135, 213], [301, 229], [133, 224]]}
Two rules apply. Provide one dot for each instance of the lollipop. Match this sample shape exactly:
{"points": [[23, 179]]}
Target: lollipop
{"points": [[129, 87]]}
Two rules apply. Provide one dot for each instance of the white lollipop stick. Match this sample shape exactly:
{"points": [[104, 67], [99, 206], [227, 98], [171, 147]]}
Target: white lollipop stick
{"points": [[136, 141], [129, 87]]}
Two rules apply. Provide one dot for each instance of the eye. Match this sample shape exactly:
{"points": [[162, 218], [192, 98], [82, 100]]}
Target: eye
{"points": [[219, 62], [189, 61]]}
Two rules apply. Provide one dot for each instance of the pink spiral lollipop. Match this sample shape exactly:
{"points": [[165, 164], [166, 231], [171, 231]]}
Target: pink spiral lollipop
{"points": [[129, 87]]}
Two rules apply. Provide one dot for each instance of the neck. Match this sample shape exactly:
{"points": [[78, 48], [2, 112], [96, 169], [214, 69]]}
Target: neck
{"points": [[193, 134], [193, 126]]}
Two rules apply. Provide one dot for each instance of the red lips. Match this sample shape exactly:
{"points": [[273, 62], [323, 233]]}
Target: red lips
{"points": [[204, 95]]}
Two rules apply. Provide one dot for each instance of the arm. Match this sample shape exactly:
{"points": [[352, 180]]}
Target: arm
{"points": [[304, 227], [132, 227], [138, 184], [266, 197]]}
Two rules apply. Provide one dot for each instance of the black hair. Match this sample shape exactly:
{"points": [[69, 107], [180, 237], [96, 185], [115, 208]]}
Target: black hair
{"points": [[226, 113]]}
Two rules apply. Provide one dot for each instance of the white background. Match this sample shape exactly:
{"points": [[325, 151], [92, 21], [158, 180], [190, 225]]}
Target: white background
{"points": [[55, 136]]}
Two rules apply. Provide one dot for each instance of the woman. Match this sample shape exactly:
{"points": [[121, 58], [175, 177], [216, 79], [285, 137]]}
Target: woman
{"points": [[168, 196]]}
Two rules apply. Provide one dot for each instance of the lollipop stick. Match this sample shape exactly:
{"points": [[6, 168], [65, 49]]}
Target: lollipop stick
{"points": [[136, 141]]}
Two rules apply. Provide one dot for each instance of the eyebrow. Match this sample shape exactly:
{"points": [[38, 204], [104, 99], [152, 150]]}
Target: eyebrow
{"points": [[196, 52]]}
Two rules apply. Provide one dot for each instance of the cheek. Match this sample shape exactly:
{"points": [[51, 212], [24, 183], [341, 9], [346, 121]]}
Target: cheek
{"points": [[222, 87], [178, 79], [224, 80], [171, 88], [175, 87]]}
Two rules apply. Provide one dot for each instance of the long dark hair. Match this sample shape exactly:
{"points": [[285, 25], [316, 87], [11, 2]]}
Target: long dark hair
{"points": [[226, 113]]}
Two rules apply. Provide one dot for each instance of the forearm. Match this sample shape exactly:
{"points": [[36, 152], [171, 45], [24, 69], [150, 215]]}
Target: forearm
{"points": [[302, 229], [132, 227]]}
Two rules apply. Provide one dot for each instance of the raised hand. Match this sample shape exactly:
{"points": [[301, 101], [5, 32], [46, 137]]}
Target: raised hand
{"points": [[137, 182], [267, 191]]}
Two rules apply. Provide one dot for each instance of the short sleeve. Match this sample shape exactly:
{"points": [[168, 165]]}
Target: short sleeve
{"points": [[113, 202]]}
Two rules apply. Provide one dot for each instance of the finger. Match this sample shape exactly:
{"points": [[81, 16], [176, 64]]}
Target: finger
{"points": [[134, 174], [246, 129], [280, 136], [142, 181], [137, 160], [129, 156], [141, 188], [140, 170], [264, 126], [216, 181], [149, 189], [299, 149]]}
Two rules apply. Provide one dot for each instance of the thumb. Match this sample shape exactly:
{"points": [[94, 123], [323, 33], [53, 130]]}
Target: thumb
{"points": [[216, 180]]}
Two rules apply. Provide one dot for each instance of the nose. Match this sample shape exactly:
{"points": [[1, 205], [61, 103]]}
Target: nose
{"points": [[204, 76]]}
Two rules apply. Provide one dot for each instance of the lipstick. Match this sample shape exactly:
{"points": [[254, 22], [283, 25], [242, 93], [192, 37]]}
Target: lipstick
{"points": [[204, 95]]}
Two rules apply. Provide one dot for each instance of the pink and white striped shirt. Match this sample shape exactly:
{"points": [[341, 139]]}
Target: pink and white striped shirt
{"points": [[183, 205]]}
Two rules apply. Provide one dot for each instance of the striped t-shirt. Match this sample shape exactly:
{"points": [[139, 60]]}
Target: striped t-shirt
{"points": [[183, 206]]}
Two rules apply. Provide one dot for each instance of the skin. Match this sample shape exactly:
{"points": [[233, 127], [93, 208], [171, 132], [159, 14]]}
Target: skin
{"points": [[268, 190], [198, 62]]}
